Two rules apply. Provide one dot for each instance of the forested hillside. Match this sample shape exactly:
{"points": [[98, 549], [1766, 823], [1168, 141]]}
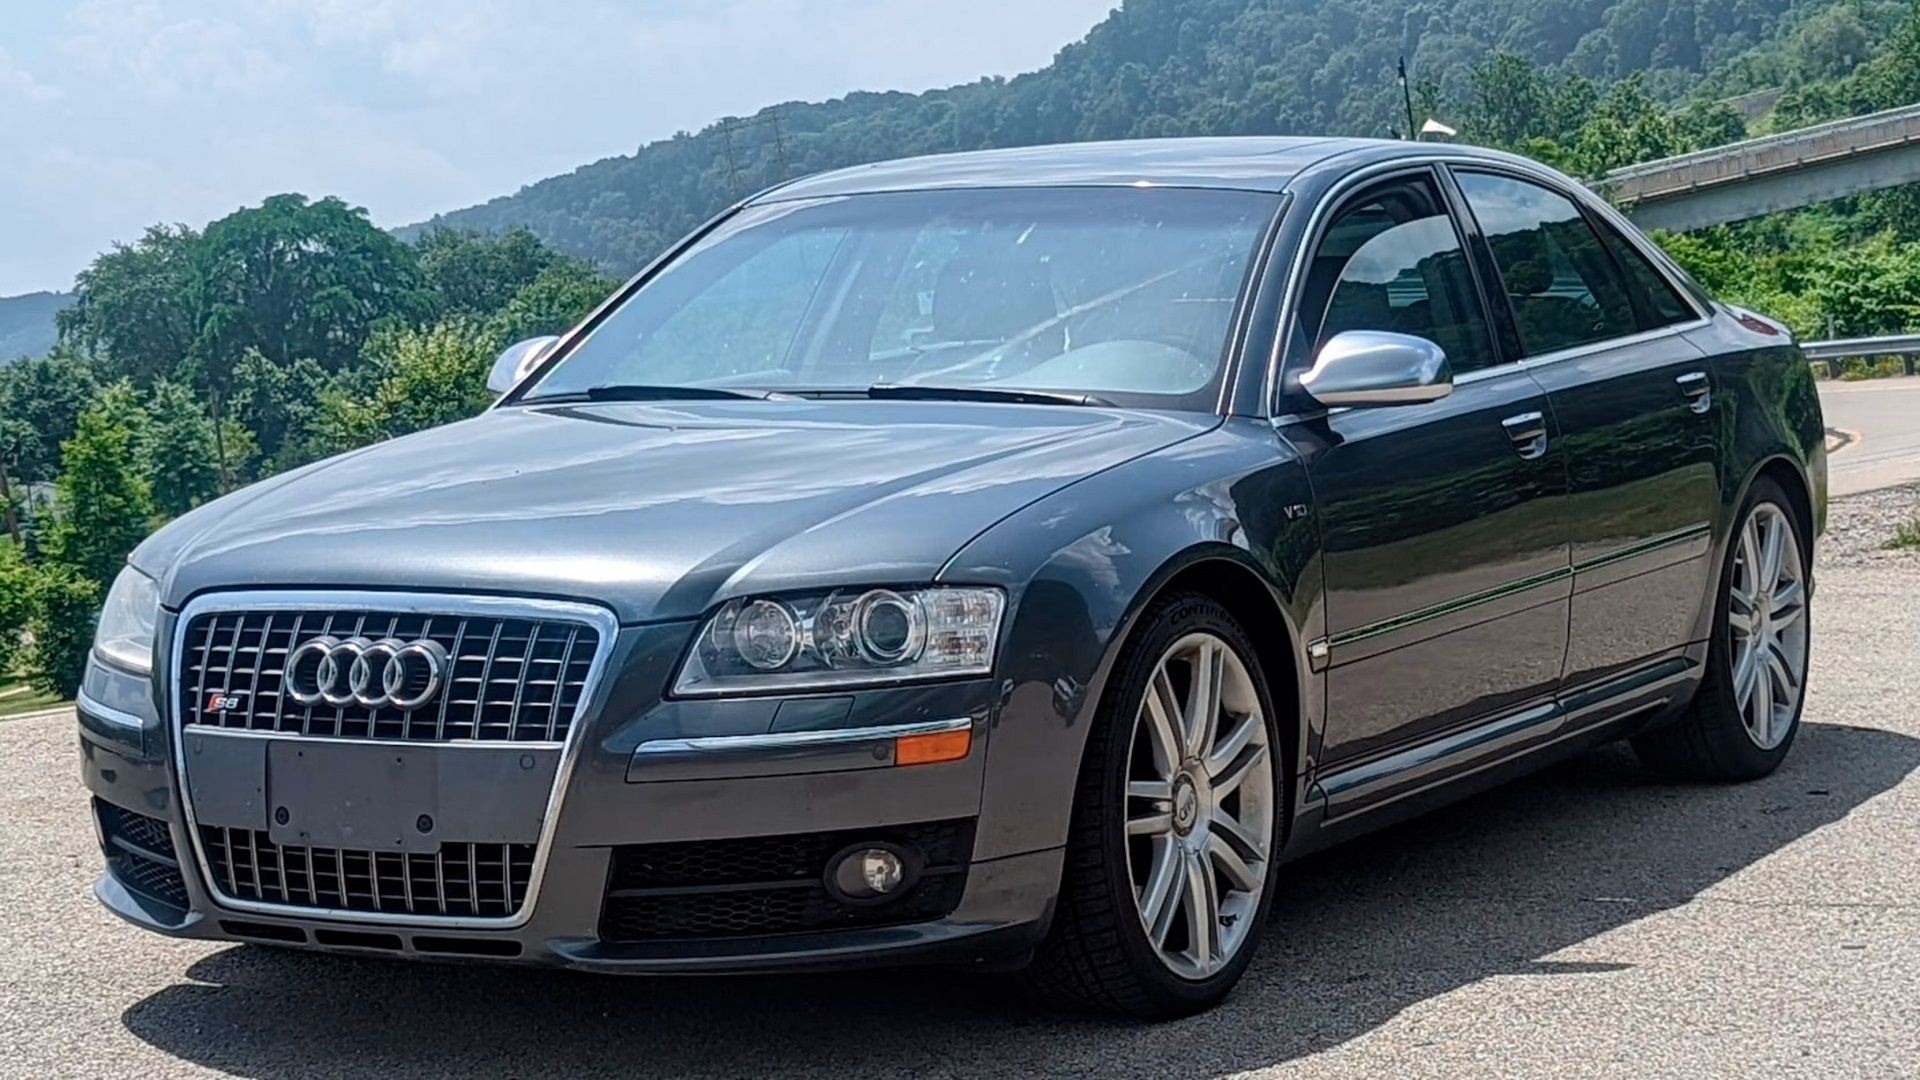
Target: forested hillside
{"points": [[1189, 67], [26, 323]]}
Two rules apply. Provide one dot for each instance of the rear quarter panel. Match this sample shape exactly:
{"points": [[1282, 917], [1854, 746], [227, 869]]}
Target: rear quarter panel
{"points": [[1768, 409]]}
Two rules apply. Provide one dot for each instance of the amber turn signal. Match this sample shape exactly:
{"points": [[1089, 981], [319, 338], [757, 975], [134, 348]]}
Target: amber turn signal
{"points": [[927, 749]]}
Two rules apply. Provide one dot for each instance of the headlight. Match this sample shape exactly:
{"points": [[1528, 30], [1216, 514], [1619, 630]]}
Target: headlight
{"points": [[124, 636], [843, 638]]}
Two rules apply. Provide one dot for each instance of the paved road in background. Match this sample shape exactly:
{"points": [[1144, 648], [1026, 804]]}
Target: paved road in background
{"points": [[1588, 922], [1884, 417]]}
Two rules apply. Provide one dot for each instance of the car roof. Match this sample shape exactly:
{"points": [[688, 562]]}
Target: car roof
{"points": [[1265, 163]]}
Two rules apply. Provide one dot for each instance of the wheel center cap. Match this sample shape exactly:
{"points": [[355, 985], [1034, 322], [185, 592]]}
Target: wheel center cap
{"points": [[1186, 806]]}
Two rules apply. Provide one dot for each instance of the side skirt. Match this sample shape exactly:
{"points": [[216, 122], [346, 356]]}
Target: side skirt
{"points": [[1369, 795]]}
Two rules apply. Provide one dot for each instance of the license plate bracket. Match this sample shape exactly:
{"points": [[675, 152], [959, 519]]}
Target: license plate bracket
{"points": [[337, 795]]}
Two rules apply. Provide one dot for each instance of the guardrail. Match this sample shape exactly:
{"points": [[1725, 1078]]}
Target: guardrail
{"points": [[1905, 346]]}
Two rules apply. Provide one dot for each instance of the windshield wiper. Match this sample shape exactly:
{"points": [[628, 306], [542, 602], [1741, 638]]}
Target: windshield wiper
{"points": [[646, 392], [919, 392]]}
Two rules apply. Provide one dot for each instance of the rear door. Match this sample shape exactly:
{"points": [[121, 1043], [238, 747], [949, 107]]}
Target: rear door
{"points": [[1600, 328], [1443, 524]]}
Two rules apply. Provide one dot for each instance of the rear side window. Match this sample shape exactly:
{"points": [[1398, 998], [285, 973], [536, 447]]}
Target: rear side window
{"points": [[1392, 261], [1565, 289], [1659, 304]]}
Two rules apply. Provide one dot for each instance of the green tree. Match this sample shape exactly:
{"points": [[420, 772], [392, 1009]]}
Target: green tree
{"points": [[177, 451], [294, 279], [18, 441], [1511, 101], [413, 380], [563, 294], [140, 305], [63, 606], [288, 280], [16, 604], [472, 273], [103, 505], [47, 394], [276, 404]]}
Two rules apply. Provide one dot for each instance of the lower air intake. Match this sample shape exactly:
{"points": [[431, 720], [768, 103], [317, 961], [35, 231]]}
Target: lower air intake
{"points": [[460, 881], [773, 884]]}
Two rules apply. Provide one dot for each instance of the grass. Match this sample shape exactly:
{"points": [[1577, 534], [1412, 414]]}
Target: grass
{"points": [[1906, 537], [18, 698], [1858, 369]]}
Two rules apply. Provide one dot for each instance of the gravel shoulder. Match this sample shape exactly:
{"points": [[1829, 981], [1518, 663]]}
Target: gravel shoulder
{"points": [[1589, 921]]}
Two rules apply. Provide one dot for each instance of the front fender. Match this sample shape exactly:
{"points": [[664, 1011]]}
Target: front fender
{"points": [[1082, 564]]}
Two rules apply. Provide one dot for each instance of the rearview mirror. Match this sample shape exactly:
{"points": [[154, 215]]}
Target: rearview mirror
{"points": [[1370, 368], [515, 361]]}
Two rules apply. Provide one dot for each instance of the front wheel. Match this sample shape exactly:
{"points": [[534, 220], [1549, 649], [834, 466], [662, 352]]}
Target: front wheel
{"points": [[1176, 820], [1747, 712]]}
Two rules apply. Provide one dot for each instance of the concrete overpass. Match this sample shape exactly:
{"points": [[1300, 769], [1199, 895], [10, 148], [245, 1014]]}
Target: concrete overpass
{"points": [[1773, 173]]}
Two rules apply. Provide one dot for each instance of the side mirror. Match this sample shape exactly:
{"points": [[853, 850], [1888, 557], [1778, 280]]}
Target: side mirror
{"points": [[515, 361], [1368, 368]]}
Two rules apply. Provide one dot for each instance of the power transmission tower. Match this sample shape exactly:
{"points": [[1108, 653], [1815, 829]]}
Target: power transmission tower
{"points": [[733, 161], [732, 126], [779, 143]]}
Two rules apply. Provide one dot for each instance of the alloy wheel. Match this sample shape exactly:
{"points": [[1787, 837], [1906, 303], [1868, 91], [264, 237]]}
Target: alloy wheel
{"points": [[1767, 625], [1199, 806]]}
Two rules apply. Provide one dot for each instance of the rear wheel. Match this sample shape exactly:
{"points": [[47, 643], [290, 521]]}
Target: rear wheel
{"points": [[1747, 713], [1176, 821]]}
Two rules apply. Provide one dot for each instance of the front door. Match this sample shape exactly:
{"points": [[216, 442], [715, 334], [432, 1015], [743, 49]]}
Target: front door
{"points": [[1443, 524], [1635, 402]]}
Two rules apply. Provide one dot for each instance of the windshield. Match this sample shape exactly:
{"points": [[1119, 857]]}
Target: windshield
{"points": [[1123, 294]]}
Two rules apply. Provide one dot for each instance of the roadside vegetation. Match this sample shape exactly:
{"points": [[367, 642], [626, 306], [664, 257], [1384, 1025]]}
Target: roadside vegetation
{"points": [[1906, 537], [195, 361], [198, 361]]}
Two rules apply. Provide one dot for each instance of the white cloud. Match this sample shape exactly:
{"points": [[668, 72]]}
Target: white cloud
{"points": [[138, 111], [18, 82]]}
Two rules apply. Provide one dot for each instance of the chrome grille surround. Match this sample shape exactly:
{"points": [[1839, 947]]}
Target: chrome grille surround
{"points": [[507, 679], [572, 735]]}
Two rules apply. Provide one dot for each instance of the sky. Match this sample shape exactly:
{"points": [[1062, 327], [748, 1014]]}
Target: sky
{"points": [[118, 114]]}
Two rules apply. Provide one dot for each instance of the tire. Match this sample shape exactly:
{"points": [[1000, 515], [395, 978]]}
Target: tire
{"points": [[1720, 737], [1100, 954]]}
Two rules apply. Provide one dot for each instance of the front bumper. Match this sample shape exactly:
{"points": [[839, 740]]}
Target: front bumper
{"points": [[619, 799]]}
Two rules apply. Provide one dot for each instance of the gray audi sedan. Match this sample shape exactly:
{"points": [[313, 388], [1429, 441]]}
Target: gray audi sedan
{"points": [[1009, 559]]}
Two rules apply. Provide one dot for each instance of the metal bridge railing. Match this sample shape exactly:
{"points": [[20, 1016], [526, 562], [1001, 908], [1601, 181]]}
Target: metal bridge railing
{"points": [[1905, 346]]}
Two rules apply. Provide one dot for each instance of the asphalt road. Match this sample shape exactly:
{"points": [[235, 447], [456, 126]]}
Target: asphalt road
{"points": [[1882, 417], [1588, 922]]}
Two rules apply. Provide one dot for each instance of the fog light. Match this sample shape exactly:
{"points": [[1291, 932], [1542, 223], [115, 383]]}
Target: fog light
{"points": [[871, 872]]}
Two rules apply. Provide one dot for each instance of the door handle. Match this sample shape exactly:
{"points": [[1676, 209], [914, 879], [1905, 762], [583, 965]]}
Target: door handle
{"points": [[1698, 389], [1529, 434]]}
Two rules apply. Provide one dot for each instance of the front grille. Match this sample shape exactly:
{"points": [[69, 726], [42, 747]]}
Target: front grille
{"points": [[140, 854], [509, 680], [461, 880], [772, 884]]}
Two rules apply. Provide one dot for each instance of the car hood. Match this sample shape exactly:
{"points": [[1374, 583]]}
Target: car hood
{"points": [[656, 510]]}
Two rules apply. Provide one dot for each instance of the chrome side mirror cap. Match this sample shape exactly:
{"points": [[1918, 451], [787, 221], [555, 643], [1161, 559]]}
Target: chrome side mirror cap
{"points": [[1360, 369], [515, 361]]}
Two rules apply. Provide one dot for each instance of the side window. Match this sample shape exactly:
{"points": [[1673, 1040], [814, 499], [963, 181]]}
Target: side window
{"points": [[1564, 287], [1659, 304], [1391, 260]]}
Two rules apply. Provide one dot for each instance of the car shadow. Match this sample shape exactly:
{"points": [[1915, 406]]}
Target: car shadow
{"points": [[1494, 885]]}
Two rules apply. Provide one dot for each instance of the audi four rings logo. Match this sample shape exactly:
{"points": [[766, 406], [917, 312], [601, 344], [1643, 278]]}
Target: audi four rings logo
{"points": [[360, 671]]}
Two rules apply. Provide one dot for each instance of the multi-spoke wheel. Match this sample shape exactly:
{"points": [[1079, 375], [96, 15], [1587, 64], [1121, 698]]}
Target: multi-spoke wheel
{"points": [[1767, 625], [1747, 712], [1199, 805], [1176, 821]]}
